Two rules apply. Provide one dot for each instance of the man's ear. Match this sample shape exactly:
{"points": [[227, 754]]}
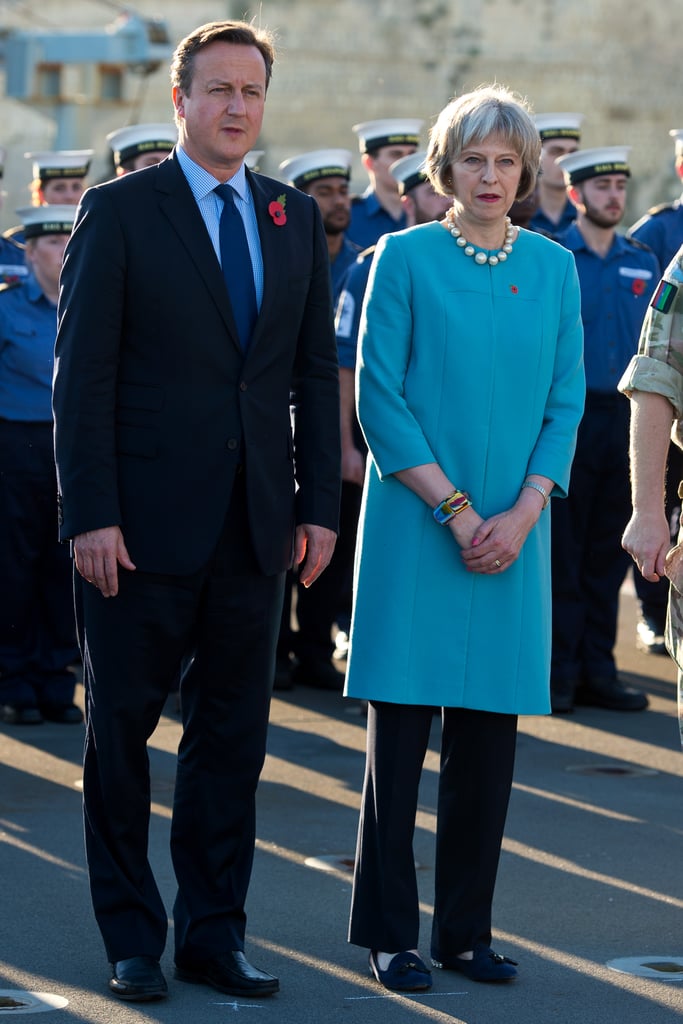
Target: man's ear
{"points": [[178, 97], [367, 162], [575, 196]]}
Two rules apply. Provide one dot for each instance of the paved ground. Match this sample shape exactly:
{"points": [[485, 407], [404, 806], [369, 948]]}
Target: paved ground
{"points": [[591, 872]]}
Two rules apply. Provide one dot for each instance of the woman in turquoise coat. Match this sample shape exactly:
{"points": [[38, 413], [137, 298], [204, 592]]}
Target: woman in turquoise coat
{"points": [[470, 391]]}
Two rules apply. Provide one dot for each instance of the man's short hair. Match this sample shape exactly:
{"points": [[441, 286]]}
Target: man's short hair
{"points": [[238, 32], [474, 117]]}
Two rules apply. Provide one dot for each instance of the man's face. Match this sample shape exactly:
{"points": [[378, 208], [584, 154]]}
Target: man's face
{"points": [[333, 198], [63, 190], [220, 117], [551, 151], [602, 200], [379, 162], [428, 205], [150, 159], [44, 255]]}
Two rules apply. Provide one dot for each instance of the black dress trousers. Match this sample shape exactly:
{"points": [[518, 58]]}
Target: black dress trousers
{"points": [[477, 762], [227, 615], [37, 626], [588, 561]]}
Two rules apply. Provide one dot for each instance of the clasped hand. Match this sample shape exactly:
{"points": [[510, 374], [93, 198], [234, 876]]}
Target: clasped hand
{"points": [[497, 542]]}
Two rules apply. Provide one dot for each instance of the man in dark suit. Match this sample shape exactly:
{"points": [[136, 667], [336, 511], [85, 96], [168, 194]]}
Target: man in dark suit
{"points": [[177, 470]]}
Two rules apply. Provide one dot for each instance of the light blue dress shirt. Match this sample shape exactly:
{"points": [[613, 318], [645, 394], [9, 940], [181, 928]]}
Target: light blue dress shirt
{"points": [[210, 206]]}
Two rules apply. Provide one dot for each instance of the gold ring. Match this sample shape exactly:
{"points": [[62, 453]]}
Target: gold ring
{"points": [[497, 563]]}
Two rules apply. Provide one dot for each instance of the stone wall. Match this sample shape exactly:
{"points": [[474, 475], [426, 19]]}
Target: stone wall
{"points": [[343, 61]]}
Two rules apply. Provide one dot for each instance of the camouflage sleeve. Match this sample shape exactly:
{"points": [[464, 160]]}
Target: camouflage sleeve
{"points": [[658, 366]]}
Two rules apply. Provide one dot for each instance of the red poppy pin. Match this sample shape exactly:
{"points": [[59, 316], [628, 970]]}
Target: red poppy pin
{"points": [[638, 286], [276, 209], [514, 289]]}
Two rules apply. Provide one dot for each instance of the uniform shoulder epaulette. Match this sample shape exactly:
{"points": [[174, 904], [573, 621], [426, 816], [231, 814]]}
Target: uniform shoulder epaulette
{"points": [[10, 234], [660, 208], [366, 253], [7, 286], [637, 244]]}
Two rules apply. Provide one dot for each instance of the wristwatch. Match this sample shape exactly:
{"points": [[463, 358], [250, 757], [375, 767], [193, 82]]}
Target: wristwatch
{"points": [[540, 489]]}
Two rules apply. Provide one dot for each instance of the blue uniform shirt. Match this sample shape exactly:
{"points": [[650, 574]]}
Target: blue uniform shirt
{"points": [[28, 327], [349, 305], [539, 221], [662, 230], [615, 292], [12, 261], [339, 268], [369, 220]]}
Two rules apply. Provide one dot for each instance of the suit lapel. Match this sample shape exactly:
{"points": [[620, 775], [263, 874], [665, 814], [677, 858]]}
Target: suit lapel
{"points": [[178, 205], [273, 246]]}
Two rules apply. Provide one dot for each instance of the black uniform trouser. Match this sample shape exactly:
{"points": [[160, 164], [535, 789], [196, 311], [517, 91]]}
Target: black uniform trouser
{"points": [[227, 615], [318, 608], [477, 762], [37, 627], [588, 561]]}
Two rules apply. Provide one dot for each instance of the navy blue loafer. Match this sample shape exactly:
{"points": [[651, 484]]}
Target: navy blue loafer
{"points": [[405, 973], [485, 965]]}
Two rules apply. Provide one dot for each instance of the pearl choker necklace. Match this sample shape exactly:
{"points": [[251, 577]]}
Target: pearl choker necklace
{"points": [[480, 256]]}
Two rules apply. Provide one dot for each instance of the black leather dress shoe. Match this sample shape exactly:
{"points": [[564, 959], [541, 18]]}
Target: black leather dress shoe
{"points": [[228, 972], [562, 695], [610, 694], [20, 714], [138, 979], [65, 714], [318, 673]]}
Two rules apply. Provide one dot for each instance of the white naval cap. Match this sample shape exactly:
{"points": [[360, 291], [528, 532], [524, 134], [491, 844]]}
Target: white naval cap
{"points": [[136, 139], [409, 171], [593, 163], [677, 135], [62, 163], [559, 126], [55, 219], [389, 131], [319, 163], [252, 158]]}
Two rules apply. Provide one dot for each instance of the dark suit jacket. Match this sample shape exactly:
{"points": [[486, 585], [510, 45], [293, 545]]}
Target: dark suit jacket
{"points": [[155, 403]]}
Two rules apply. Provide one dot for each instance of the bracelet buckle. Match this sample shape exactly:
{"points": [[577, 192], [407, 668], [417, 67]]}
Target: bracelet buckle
{"points": [[451, 506]]}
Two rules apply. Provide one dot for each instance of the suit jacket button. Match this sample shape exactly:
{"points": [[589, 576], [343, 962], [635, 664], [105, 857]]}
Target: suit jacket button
{"points": [[231, 445], [243, 386]]}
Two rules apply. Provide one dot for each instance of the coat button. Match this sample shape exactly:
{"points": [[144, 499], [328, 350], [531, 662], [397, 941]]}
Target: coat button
{"points": [[231, 445], [243, 385]]}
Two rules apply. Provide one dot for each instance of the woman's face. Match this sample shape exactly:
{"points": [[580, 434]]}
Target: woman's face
{"points": [[486, 179]]}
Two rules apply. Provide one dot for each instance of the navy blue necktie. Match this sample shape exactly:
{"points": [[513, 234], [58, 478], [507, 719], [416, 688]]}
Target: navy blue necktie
{"points": [[236, 265]]}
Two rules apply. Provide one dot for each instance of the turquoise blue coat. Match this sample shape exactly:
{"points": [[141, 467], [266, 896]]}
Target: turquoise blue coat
{"points": [[479, 369]]}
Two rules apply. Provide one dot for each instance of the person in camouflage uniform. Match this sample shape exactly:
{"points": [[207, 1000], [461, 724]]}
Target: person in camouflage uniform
{"points": [[653, 381]]}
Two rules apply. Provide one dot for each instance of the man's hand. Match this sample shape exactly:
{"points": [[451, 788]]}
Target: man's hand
{"points": [[647, 540], [98, 555], [353, 465], [315, 544]]}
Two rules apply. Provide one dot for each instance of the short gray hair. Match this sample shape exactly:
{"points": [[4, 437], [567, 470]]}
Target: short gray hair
{"points": [[473, 117]]}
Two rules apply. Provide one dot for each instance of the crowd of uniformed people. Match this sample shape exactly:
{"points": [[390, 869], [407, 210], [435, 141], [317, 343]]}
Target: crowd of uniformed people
{"points": [[579, 201]]}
